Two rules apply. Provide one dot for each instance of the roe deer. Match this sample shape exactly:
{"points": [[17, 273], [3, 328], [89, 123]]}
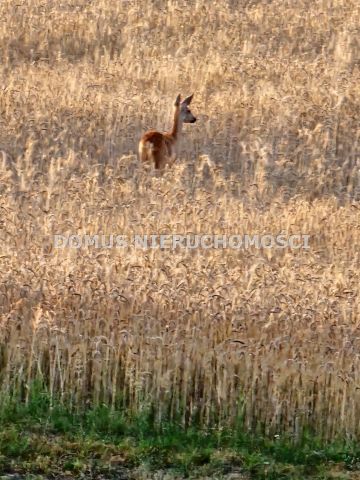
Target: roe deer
{"points": [[160, 148]]}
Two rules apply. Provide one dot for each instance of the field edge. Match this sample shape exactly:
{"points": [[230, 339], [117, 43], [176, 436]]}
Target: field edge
{"points": [[43, 439]]}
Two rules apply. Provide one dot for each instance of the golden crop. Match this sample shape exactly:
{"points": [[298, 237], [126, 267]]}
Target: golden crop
{"points": [[270, 334]]}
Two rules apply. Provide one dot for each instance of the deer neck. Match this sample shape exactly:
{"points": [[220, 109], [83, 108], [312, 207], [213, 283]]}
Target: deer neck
{"points": [[177, 126]]}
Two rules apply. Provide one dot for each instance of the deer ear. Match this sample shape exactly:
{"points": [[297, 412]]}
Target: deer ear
{"points": [[188, 99], [177, 101]]}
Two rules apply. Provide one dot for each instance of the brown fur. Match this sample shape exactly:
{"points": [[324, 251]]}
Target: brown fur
{"points": [[158, 148]]}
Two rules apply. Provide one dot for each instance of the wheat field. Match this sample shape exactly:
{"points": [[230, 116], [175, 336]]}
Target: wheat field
{"points": [[266, 337]]}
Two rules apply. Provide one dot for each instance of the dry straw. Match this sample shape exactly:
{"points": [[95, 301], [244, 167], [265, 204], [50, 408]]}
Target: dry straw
{"points": [[271, 334]]}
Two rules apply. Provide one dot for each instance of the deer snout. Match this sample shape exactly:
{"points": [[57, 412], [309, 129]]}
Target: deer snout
{"points": [[193, 120]]}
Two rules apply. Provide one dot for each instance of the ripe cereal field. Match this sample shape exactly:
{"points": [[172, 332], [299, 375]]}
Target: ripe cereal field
{"points": [[266, 337]]}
